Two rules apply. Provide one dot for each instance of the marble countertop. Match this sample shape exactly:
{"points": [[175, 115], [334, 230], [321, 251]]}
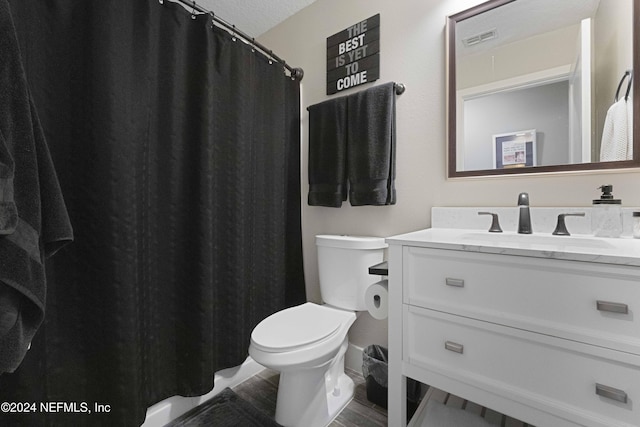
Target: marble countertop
{"points": [[577, 247]]}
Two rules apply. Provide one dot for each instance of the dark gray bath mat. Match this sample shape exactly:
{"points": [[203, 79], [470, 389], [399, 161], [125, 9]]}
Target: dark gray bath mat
{"points": [[226, 409]]}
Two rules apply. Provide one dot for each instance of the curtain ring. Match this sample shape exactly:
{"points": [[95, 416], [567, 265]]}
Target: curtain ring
{"points": [[213, 19], [270, 57], [253, 44], [193, 11], [161, 1], [233, 35]]}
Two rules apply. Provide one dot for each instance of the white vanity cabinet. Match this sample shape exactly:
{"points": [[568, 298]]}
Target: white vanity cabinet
{"points": [[550, 337]]}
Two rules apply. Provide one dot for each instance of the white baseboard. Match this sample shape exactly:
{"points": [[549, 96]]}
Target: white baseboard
{"points": [[353, 358]]}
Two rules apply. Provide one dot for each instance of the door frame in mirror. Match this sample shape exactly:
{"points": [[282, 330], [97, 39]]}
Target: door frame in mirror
{"points": [[451, 151]]}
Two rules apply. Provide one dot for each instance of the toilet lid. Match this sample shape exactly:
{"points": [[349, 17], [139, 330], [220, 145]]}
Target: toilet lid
{"points": [[297, 327]]}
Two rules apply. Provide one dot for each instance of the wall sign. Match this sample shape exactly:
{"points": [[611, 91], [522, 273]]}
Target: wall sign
{"points": [[353, 55]]}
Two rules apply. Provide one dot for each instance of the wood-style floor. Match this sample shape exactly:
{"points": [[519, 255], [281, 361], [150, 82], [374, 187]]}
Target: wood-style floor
{"points": [[261, 390]]}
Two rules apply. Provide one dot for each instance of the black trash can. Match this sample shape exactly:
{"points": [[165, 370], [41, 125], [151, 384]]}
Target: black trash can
{"points": [[375, 369]]}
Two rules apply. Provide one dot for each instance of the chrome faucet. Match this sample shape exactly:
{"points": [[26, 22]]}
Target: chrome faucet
{"points": [[524, 221]]}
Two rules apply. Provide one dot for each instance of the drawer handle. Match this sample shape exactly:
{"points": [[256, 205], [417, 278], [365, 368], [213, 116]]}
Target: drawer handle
{"points": [[458, 283], [612, 307], [611, 393], [455, 347]]}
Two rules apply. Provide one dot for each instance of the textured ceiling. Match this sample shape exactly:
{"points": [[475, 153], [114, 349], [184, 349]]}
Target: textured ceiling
{"points": [[254, 17]]}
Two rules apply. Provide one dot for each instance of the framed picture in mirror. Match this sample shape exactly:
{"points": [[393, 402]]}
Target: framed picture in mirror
{"points": [[514, 149]]}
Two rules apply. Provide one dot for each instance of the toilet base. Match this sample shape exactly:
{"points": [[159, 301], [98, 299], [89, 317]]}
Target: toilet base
{"points": [[314, 397]]}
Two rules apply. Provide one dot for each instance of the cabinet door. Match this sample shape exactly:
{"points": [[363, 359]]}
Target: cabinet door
{"points": [[592, 303]]}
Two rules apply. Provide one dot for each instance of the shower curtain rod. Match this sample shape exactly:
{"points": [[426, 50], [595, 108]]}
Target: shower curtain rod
{"points": [[296, 73]]}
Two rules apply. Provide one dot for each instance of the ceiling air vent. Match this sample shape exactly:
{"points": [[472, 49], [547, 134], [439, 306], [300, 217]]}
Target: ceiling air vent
{"points": [[479, 38]]}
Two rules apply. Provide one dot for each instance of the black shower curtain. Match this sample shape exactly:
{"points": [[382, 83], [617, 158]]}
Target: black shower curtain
{"points": [[177, 149]]}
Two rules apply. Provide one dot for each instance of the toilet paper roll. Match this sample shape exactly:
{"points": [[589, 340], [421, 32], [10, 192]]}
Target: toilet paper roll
{"points": [[377, 299]]}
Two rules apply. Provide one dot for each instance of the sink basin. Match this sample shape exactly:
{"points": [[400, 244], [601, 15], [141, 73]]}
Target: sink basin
{"points": [[540, 240]]}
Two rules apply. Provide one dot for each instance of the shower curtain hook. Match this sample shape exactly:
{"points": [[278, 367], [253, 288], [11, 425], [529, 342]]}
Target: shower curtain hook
{"points": [[213, 19], [253, 44], [233, 36], [161, 1], [193, 11], [270, 57]]}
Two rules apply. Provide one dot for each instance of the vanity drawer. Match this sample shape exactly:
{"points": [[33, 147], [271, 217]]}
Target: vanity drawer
{"points": [[592, 303], [584, 383]]}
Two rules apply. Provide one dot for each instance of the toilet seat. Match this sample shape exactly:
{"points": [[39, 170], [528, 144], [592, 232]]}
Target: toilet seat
{"points": [[298, 327]]}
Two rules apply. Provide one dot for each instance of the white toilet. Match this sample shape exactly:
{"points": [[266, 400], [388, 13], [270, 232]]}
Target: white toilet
{"points": [[307, 343]]}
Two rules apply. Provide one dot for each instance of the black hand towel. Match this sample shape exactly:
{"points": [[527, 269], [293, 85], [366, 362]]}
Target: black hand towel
{"points": [[42, 224], [371, 146], [328, 153]]}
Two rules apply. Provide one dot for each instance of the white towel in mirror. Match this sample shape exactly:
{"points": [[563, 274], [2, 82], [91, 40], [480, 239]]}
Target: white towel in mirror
{"points": [[617, 135]]}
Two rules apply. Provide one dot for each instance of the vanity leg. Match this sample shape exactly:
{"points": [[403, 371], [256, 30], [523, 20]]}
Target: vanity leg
{"points": [[397, 408], [397, 399]]}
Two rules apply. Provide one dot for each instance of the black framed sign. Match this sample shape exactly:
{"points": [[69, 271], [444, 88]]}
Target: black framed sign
{"points": [[353, 55]]}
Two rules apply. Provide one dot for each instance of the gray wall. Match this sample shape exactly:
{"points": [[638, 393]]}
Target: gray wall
{"points": [[544, 108]]}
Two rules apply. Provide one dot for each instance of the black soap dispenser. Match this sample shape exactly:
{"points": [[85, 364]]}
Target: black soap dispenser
{"points": [[606, 215]]}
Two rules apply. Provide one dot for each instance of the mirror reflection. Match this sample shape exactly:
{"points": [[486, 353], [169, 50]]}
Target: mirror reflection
{"points": [[543, 83]]}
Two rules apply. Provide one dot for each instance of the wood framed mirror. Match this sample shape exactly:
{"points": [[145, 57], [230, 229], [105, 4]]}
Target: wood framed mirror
{"points": [[538, 86]]}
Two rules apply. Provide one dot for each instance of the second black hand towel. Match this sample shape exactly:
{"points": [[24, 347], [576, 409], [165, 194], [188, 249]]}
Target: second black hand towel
{"points": [[371, 151]]}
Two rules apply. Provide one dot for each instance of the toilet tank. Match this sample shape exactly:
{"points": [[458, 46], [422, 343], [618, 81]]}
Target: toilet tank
{"points": [[343, 266]]}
